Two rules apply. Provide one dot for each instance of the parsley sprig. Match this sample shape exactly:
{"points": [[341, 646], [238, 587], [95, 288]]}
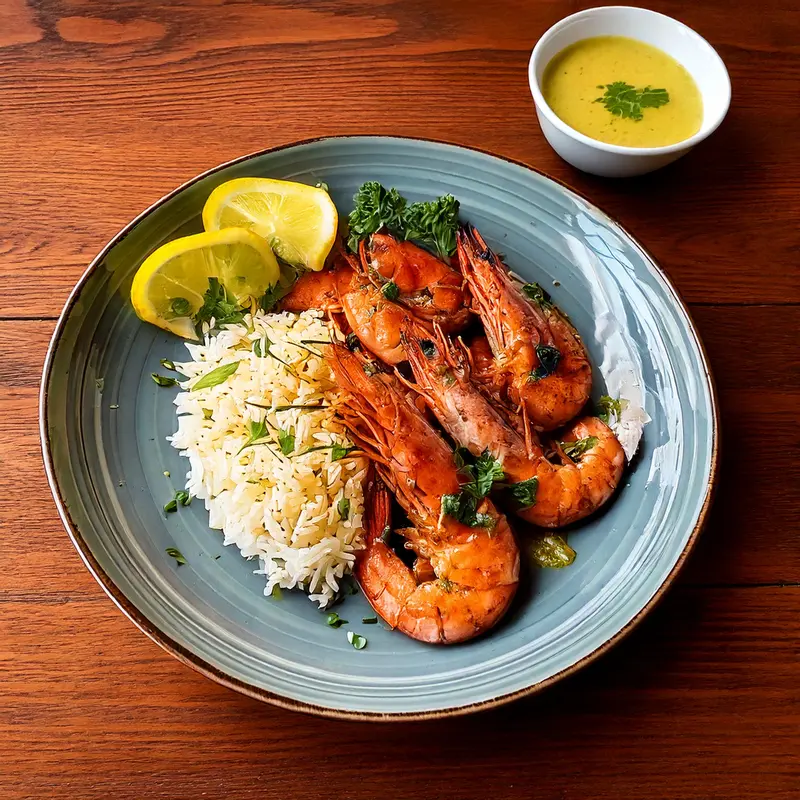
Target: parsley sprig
{"points": [[624, 100], [432, 224]]}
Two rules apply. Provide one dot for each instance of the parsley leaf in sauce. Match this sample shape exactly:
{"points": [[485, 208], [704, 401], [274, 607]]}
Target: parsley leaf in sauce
{"points": [[624, 100]]}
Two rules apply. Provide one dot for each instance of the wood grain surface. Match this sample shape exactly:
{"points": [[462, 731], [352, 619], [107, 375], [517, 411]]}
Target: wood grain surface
{"points": [[106, 105]]}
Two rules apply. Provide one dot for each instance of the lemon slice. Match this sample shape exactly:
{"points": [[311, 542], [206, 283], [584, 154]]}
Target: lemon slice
{"points": [[298, 221], [168, 288]]}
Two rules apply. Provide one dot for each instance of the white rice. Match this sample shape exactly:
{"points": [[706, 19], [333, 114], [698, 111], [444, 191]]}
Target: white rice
{"points": [[285, 510]]}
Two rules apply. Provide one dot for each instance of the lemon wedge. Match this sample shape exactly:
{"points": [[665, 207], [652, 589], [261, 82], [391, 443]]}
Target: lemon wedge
{"points": [[168, 289], [298, 221]]}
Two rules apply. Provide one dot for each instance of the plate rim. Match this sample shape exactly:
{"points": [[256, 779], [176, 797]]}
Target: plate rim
{"points": [[197, 662]]}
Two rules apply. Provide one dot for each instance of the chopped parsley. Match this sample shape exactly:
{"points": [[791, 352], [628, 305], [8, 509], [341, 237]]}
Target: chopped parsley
{"points": [[608, 407], [182, 497], [463, 507], [538, 295], [162, 381], [575, 450], [548, 362], [369, 620], [217, 306], [333, 620], [483, 473], [428, 348], [524, 492], [177, 555], [390, 291], [343, 507]]}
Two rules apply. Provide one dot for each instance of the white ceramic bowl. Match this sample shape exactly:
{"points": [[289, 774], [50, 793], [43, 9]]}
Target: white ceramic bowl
{"points": [[673, 37]]}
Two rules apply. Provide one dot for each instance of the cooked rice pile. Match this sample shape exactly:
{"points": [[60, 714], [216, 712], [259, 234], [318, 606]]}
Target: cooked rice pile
{"points": [[289, 510]]}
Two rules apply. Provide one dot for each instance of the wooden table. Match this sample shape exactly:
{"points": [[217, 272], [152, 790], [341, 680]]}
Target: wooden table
{"points": [[106, 106]]}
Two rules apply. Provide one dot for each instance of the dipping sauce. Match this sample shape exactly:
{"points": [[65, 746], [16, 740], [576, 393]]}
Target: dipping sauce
{"points": [[623, 91]]}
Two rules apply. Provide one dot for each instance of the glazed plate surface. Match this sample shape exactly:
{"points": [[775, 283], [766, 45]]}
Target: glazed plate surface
{"points": [[106, 454]]}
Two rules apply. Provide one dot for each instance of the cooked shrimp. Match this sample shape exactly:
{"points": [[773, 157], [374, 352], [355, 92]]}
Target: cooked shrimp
{"points": [[346, 288], [557, 493], [538, 354], [432, 289], [318, 289], [476, 568], [376, 321]]}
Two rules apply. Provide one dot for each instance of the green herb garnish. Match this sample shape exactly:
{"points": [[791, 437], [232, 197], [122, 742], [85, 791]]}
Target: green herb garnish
{"points": [[343, 507], [483, 473], [375, 208], [463, 507], [338, 451], [433, 224], [538, 295], [390, 291], [608, 407], [216, 376], [370, 368], [177, 555], [369, 620], [270, 298], [351, 341], [461, 457], [276, 592], [256, 432], [428, 348], [355, 639], [285, 441], [524, 492], [167, 364], [334, 620], [447, 586], [552, 551], [623, 100], [575, 450], [208, 413], [163, 381], [217, 306], [386, 534], [322, 185], [182, 497], [548, 362]]}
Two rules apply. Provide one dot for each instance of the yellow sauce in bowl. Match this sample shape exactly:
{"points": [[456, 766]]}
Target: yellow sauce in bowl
{"points": [[583, 86]]}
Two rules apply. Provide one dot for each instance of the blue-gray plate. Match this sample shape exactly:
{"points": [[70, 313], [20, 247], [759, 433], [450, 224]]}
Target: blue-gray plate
{"points": [[104, 423]]}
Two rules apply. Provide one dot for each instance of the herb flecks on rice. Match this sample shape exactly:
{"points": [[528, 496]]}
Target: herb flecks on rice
{"points": [[278, 496]]}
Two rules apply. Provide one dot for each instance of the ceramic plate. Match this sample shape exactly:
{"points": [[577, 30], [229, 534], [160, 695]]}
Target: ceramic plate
{"points": [[104, 423]]}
